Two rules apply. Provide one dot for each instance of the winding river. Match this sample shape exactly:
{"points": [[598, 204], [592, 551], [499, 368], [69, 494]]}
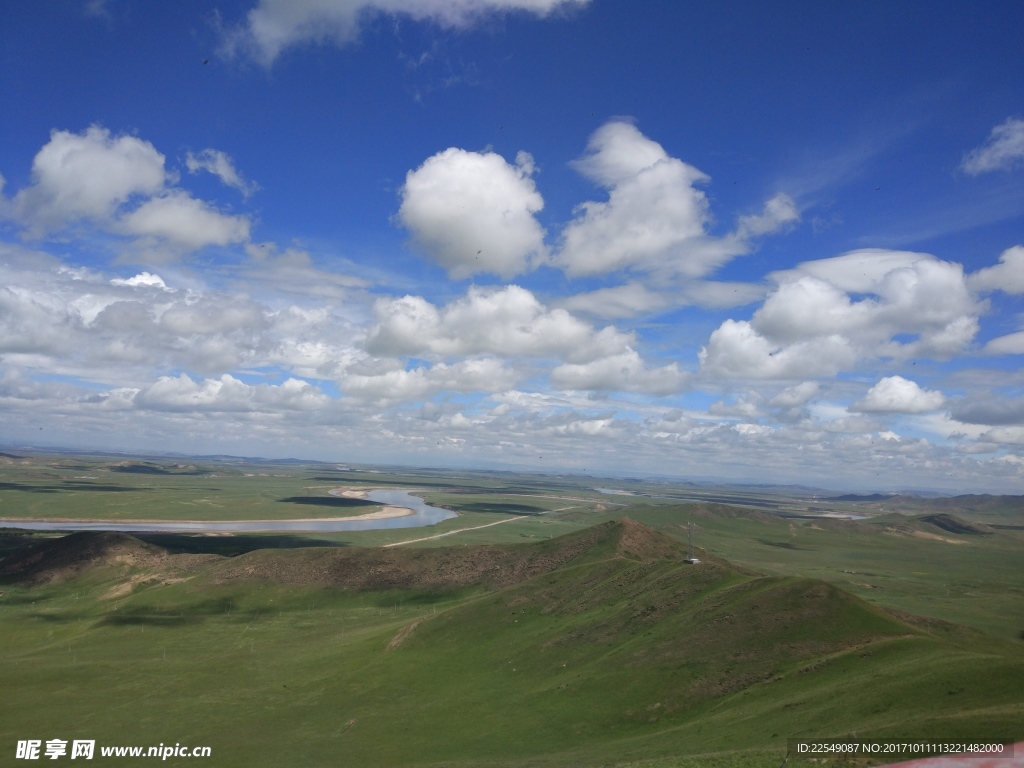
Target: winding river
{"points": [[423, 514]]}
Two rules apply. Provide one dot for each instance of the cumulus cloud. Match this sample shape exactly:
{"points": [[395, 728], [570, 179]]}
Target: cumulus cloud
{"points": [[182, 220], [990, 410], [1004, 435], [30, 323], [810, 325], [1011, 344], [634, 298], [86, 176], [119, 184], [477, 375], [714, 294], [80, 323], [860, 271], [653, 209], [1006, 276], [779, 213], [274, 25], [227, 393], [143, 278], [627, 300], [222, 166], [509, 321], [1003, 150], [736, 349], [655, 218], [292, 271], [744, 407], [623, 372], [894, 394], [473, 212], [213, 315], [795, 395]]}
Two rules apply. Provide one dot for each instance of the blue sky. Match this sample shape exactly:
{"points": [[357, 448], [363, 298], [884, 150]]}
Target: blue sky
{"points": [[758, 242]]}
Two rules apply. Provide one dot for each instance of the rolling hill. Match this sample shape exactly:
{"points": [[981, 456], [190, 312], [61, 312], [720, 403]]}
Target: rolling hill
{"points": [[600, 647]]}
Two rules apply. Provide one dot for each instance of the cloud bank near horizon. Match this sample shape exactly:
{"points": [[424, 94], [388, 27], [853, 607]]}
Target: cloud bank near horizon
{"points": [[496, 371]]}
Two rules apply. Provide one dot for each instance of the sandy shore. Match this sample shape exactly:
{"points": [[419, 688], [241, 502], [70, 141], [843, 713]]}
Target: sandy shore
{"points": [[349, 493]]}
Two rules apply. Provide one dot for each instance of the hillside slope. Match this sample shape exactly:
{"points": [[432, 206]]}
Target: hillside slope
{"points": [[594, 648]]}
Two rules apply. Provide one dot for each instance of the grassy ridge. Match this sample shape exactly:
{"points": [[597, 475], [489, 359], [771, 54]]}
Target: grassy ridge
{"points": [[965, 578], [608, 651]]}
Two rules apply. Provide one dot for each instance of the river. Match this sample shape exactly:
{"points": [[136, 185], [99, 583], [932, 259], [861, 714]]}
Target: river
{"points": [[423, 514]]}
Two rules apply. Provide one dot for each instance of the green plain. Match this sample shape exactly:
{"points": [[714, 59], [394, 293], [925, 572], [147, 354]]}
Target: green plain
{"points": [[790, 628]]}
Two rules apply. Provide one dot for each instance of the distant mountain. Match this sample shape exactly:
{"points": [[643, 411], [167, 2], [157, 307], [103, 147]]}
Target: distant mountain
{"points": [[856, 497]]}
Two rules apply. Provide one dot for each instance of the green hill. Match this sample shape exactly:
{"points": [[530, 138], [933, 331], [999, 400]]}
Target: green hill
{"points": [[596, 648]]}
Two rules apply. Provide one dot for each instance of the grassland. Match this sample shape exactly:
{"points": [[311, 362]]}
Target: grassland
{"points": [[90, 488], [595, 648], [540, 631]]}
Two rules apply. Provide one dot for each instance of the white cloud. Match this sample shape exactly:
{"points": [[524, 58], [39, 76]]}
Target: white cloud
{"points": [[220, 165], [213, 315], [1003, 150], [86, 176], [623, 372], [180, 219], [143, 278], [796, 395], [989, 409], [509, 322], [810, 325], [119, 184], [634, 298], [277, 24], [894, 394], [737, 350], [779, 212], [977, 448], [1004, 436], [1011, 344], [655, 219], [1006, 276], [30, 323], [227, 393], [860, 271], [653, 210], [79, 323], [714, 294], [477, 375], [292, 271], [472, 212], [627, 300], [742, 407]]}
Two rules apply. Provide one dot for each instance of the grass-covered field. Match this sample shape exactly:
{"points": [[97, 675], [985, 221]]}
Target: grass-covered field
{"points": [[538, 632]]}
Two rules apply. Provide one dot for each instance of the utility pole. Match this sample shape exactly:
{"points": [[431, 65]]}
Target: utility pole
{"points": [[689, 545]]}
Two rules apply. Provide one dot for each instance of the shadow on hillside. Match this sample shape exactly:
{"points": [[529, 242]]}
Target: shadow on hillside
{"points": [[28, 488], [152, 469], [231, 545], [523, 510], [781, 544], [67, 486], [174, 615]]}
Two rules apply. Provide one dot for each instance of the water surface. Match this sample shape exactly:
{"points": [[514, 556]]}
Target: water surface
{"points": [[423, 514]]}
